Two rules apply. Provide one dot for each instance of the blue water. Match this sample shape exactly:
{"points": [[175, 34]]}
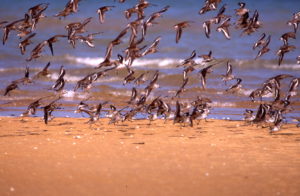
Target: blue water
{"points": [[273, 14], [82, 60]]}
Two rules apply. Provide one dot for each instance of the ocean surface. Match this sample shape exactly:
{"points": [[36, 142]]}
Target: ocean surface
{"points": [[82, 60]]}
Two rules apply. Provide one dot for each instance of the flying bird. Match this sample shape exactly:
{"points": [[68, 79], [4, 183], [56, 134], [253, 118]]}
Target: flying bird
{"points": [[206, 58], [295, 21], [130, 76], [282, 50], [140, 79], [52, 40], [151, 20], [9, 27], [101, 11], [264, 48], [60, 82], [261, 41], [241, 10], [182, 87], [235, 87], [286, 36], [224, 28], [228, 76], [14, 84], [10, 87], [36, 52], [190, 60], [23, 44], [203, 74], [152, 48], [32, 107], [44, 72], [179, 27]]}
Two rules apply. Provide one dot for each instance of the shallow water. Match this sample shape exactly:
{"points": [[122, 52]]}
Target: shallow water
{"points": [[82, 60]]}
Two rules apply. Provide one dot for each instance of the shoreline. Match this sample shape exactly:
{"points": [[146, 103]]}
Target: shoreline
{"points": [[217, 157]]}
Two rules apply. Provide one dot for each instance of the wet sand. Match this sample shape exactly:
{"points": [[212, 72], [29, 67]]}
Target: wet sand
{"points": [[70, 157]]}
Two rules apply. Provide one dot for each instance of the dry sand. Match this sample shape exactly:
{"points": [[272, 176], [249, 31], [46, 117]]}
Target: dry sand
{"points": [[70, 157]]}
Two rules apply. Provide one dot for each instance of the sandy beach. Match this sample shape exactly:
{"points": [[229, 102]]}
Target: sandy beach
{"points": [[223, 61], [217, 157]]}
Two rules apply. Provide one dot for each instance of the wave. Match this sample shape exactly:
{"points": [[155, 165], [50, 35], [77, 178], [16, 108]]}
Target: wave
{"points": [[222, 104], [269, 64], [120, 93], [74, 79], [70, 94], [67, 77], [95, 61], [169, 62], [284, 66], [172, 62], [90, 61]]}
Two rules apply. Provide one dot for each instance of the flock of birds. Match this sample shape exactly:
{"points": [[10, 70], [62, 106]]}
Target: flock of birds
{"points": [[269, 113]]}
